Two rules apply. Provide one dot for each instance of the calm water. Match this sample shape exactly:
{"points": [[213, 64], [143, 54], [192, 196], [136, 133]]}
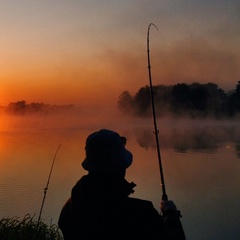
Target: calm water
{"points": [[201, 163]]}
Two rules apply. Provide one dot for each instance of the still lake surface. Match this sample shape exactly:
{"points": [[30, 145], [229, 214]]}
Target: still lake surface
{"points": [[201, 164]]}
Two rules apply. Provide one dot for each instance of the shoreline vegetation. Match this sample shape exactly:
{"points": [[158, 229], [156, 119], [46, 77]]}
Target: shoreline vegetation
{"points": [[193, 100], [22, 108], [28, 229]]}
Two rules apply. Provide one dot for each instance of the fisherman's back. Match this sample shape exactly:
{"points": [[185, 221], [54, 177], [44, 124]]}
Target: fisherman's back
{"points": [[100, 206], [90, 213]]}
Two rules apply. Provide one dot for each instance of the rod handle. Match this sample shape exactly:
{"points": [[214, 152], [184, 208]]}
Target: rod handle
{"points": [[164, 197]]}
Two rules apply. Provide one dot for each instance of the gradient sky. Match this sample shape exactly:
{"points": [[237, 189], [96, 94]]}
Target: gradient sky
{"points": [[89, 51]]}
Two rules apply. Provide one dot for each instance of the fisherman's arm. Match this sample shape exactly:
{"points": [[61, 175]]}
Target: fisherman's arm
{"points": [[171, 221]]}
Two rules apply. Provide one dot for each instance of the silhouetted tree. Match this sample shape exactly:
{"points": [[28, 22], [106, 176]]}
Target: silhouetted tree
{"points": [[162, 99], [216, 100], [181, 98], [195, 100], [125, 102], [17, 107], [238, 96], [36, 107], [234, 101], [21, 107], [199, 97], [142, 101]]}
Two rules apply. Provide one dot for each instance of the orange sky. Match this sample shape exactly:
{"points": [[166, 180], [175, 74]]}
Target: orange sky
{"points": [[88, 53]]}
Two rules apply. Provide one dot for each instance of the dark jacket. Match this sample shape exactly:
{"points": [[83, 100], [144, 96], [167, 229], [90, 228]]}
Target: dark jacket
{"points": [[100, 208]]}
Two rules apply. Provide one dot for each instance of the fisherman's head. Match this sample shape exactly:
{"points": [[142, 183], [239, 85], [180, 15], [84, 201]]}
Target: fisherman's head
{"points": [[106, 153]]}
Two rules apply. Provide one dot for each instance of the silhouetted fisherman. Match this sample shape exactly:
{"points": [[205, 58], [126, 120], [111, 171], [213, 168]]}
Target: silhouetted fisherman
{"points": [[100, 206]]}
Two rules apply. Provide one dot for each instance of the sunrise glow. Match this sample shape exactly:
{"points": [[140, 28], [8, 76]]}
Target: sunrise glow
{"points": [[86, 53]]}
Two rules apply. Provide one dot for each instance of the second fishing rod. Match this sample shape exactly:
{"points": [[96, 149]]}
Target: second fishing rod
{"points": [[156, 132]]}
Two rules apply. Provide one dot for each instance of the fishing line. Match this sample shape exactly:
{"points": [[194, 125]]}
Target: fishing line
{"points": [[164, 195]]}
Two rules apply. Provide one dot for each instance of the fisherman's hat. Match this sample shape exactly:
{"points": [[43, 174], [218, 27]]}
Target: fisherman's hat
{"points": [[106, 152]]}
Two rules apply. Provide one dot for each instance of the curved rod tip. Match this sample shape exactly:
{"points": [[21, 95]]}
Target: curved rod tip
{"points": [[152, 24]]}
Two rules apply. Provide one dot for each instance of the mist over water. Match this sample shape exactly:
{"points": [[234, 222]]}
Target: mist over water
{"points": [[200, 162]]}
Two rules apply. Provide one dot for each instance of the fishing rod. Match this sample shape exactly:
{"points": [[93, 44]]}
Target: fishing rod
{"points": [[164, 195], [46, 188]]}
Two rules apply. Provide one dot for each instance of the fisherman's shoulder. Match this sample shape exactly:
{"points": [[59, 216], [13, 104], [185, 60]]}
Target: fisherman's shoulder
{"points": [[141, 204], [140, 201]]}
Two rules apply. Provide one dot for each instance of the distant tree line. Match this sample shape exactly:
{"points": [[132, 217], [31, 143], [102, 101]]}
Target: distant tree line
{"points": [[192, 100], [23, 108]]}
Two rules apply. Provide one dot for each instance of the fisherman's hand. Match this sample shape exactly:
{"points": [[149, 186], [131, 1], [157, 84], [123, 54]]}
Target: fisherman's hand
{"points": [[168, 207]]}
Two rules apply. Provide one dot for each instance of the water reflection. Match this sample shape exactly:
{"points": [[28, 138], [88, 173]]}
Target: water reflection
{"points": [[199, 138], [200, 161]]}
